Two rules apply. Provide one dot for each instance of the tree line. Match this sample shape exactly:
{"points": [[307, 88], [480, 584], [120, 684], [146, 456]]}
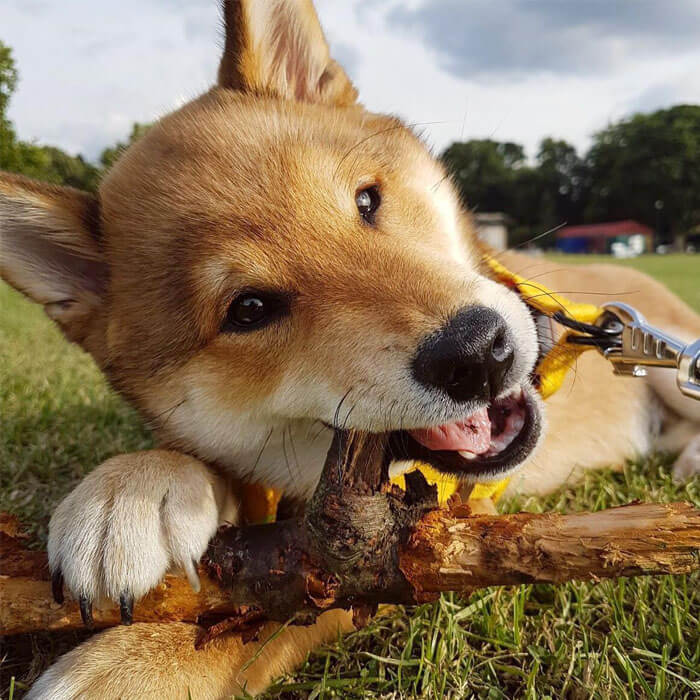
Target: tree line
{"points": [[644, 167]]}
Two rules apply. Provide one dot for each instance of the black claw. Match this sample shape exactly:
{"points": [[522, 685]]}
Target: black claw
{"points": [[86, 611], [126, 607], [57, 586]]}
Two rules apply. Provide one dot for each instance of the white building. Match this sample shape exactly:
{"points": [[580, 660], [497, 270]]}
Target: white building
{"points": [[492, 228]]}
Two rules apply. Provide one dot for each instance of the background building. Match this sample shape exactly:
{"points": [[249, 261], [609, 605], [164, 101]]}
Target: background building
{"points": [[606, 238], [492, 228]]}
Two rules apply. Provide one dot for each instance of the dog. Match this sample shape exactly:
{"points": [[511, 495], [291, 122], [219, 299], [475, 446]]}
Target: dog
{"points": [[267, 262]]}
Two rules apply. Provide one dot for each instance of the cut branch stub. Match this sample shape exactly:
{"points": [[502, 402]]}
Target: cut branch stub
{"points": [[343, 551]]}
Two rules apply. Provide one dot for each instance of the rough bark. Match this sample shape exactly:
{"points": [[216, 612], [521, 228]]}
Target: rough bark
{"points": [[362, 542], [343, 552]]}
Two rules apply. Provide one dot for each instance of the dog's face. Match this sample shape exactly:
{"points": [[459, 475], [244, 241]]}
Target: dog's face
{"points": [[272, 260]]}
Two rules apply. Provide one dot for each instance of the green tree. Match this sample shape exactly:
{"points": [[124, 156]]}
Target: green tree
{"points": [[647, 167], [51, 164], [8, 84], [563, 180], [485, 172], [8, 78], [494, 176], [527, 212]]}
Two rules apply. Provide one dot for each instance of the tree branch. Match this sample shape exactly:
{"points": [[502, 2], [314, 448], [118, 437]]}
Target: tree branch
{"points": [[363, 542]]}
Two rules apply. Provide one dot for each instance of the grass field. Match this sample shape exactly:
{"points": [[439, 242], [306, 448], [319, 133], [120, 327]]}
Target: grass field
{"points": [[681, 273], [627, 639]]}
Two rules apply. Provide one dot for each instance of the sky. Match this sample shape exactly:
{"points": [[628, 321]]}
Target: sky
{"points": [[514, 70]]}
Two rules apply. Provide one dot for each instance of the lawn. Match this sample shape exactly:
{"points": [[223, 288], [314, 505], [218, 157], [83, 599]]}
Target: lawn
{"points": [[681, 273], [628, 638]]}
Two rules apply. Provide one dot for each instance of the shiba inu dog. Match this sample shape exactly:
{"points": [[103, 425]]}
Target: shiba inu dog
{"points": [[267, 262]]}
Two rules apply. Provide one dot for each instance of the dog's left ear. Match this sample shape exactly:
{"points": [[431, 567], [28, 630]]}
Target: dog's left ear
{"points": [[277, 47]]}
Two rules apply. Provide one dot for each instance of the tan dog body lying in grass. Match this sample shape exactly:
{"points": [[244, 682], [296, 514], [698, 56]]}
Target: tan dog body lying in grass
{"points": [[269, 261]]}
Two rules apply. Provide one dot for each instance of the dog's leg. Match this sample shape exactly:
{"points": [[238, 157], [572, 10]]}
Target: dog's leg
{"points": [[130, 520], [676, 435], [114, 537], [682, 436], [160, 661], [688, 463], [682, 430]]}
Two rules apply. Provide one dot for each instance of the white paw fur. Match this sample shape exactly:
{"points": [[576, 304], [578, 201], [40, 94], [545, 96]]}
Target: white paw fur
{"points": [[130, 521]]}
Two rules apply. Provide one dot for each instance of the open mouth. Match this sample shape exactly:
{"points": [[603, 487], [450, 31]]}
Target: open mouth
{"points": [[491, 441]]}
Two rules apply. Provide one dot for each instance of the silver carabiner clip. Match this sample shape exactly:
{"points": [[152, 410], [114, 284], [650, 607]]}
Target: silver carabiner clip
{"points": [[642, 345]]}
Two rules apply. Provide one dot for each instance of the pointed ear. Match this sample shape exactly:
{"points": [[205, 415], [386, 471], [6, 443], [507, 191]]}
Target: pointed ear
{"points": [[277, 47], [49, 250]]}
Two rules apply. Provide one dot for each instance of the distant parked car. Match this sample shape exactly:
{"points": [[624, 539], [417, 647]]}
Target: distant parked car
{"points": [[622, 250]]}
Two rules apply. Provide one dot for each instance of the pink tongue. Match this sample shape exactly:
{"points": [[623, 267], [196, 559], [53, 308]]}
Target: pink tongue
{"points": [[473, 434]]}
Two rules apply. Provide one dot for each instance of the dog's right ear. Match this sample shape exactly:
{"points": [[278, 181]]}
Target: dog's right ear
{"points": [[49, 250], [277, 47]]}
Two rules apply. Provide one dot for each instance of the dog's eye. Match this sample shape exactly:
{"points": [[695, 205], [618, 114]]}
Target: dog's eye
{"points": [[252, 310], [368, 201]]}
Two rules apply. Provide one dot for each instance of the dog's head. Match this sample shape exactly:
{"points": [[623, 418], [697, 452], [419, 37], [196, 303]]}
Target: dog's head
{"points": [[272, 260]]}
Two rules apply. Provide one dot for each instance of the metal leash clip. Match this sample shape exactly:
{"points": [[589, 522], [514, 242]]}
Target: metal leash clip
{"points": [[623, 336]]}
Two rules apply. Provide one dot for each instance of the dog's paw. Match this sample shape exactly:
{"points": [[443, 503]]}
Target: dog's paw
{"points": [[127, 523], [688, 463]]}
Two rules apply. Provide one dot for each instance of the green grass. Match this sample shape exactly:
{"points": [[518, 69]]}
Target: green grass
{"points": [[679, 272], [58, 418], [626, 638]]}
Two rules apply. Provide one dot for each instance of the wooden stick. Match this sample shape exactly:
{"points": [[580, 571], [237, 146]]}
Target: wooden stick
{"points": [[449, 550], [27, 604], [362, 542]]}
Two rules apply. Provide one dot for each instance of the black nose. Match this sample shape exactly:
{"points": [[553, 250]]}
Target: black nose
{"points": [[468, 358]]}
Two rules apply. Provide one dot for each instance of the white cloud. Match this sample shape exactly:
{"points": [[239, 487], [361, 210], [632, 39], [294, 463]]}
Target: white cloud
{"points": [[510, 38], [89, 69]]}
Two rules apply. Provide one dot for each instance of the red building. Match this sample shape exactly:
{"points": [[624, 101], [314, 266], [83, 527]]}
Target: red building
{"points": [[599, 238]]}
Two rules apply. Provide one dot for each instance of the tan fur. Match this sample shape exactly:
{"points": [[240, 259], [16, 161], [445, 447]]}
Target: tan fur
{"points": [[253, 185], [41, 222], [278, 48], [159, 661]]}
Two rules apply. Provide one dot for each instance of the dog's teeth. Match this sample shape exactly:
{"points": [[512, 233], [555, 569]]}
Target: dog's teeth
{"points": [[467, 454]]}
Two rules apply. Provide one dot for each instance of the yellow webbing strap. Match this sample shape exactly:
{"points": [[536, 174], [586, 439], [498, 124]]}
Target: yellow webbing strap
{"points": [[551, 371], [260, 503], [554, 367]]}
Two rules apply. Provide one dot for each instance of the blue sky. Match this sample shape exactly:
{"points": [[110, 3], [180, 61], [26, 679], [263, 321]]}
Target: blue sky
{"points": [[506, 69]]}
